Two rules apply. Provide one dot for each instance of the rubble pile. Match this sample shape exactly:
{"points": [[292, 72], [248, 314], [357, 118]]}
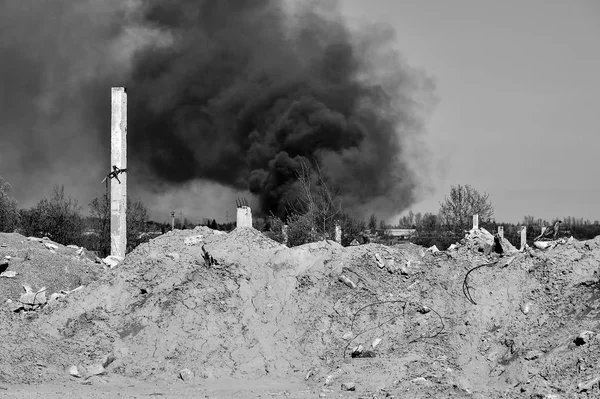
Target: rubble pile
{"points": [[198, 305]]}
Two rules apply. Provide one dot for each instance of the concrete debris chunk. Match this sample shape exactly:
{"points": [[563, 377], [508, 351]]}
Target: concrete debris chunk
{"points": [[433, 249], [112, 261], [419, 381], [74, 371], [34, 239], [50, 246], [186, 374], [347, 281], [348, 386], [73, 246], [375, 342], [193, 240], [525, 308], [8, 257], [8, 274], [588, 385]]}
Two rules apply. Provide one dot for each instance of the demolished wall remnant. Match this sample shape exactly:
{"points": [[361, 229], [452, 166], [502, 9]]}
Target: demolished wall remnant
{"points": [[244, 216]]}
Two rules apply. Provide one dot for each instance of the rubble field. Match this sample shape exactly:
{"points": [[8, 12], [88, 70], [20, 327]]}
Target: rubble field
{"points": [[200, 313]]}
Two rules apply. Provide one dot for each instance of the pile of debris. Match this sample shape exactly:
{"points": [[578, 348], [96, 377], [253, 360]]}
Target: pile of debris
{"points": [[382, 321]]}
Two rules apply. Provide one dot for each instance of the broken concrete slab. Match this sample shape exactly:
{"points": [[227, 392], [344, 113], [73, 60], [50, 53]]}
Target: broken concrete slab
{"points": [[8, 274], [348, 386]]}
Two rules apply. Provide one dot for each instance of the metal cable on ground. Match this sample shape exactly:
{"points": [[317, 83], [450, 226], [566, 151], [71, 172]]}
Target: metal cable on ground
{"points": [[390, 320], [465, 286]]}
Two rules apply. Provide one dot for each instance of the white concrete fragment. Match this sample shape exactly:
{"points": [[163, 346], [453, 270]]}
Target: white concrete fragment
{"points": [[74, 372], [347, 281], [112, 261], [8, 274], [50, 246], [375, 342], [186, 374], [34, 239]]}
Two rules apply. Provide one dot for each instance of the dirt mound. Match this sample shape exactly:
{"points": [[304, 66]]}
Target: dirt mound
{"points": [[42, 263], [394, 320]]}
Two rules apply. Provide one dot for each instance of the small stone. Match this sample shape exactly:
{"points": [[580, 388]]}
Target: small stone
{"points": [[347, 281], [74, 372], [186, 374], [348, 386], [173, 255]]}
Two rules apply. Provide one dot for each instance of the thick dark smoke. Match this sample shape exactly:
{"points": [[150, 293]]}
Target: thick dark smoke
{"points": [[247, 90], [236, 92]]}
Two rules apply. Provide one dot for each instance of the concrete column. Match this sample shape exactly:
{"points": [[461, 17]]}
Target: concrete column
{"points": [[543, 230], [523, 237], [476, 222], [118, 158], [338, 233], [501, 231], [244, 216]]}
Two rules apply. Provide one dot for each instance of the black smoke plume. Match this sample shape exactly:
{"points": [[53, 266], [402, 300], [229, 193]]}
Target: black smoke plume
{"points": [[237, 92], [248, 89]]}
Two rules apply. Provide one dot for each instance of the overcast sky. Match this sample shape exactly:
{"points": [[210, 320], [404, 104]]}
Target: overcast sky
{"points": [[518, 84]]}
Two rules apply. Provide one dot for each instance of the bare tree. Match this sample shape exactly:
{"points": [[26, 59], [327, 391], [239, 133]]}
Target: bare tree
{"points": [[464, 201], [9, 214]]}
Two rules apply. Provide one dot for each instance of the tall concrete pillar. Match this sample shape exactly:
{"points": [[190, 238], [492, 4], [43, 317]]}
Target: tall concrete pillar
{"points": [[523, 237], [118, 161], [284, 230], [476, 222], [501, 231]]}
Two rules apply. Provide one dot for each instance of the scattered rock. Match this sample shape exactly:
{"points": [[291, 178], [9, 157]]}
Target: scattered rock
{"points": [[8, 274], [186, 374], [112, 261], [193, 240], [174, 256], [347, 281], [583, 338], [348, 386]]}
